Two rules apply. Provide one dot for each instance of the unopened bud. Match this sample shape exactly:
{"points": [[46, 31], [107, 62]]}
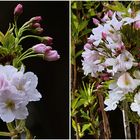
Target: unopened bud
{"points": [[87, 46], [110, 13], [137, 25], [35, 25], [41, 48], [38, 30], [51, 55], [36, 19], [95, 21], [104, 35], [18, 10], [47, 40]]}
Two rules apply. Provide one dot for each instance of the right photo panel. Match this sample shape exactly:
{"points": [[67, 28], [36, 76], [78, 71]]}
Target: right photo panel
{"points": [[105, 69]]}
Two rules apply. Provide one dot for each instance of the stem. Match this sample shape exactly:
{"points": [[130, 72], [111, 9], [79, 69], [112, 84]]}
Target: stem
{"points": [[5, 134], [74, 79], [126, 121], [25, 52], [77, 131], [33, 36], [107, 133], [10, 126], [137, 131], [34, 55]]}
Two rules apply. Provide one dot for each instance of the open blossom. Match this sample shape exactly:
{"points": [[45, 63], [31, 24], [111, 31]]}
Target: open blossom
{"points": [[116, 95], [113, 100], [12, 105], [125, 81], [135, 106], [17, 89], [91, 63], [122, 62]]}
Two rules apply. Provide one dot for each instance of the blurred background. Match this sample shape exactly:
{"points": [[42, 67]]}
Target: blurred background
{"points": [[49, 118]]}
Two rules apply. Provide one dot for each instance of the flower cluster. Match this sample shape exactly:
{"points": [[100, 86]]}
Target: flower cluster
{"points": [[17, 89], [111, 54]]}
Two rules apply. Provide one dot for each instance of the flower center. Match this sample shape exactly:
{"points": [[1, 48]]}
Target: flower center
{"points": [[10, 104]]}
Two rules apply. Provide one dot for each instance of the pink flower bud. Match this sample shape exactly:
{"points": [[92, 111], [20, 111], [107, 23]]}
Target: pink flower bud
{"points": [[51, 55], [110, 13], [41, 48], [105, 76], [137, 25], [87, 46], [47, 40], [38, 30], [95, 21], [35, 25], [120, 48], [36, 19], [104, 35], [18, 10]]}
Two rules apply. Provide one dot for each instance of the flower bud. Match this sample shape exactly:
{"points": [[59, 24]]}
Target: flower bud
{"points": [[35, 25], [41, 48], [36, 19], [95, 21], [51, 55], [18, 10], [87, 46], [110, 13], [104, 35], [137, 25], [47, 40], [38, 30]]}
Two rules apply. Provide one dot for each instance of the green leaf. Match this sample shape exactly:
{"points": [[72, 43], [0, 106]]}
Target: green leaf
{"points": [[78, 53], [74, 103], [74, 5], [85, 127], [81, 102], [74, 124], [91, 12], [9, 39], [118, 7], [85, 32], [1, 37], [85, 115], [82, 25]]}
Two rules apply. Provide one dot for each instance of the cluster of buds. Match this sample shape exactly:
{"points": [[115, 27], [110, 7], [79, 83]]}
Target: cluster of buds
{"points": [[49, 54], [35, 24]]}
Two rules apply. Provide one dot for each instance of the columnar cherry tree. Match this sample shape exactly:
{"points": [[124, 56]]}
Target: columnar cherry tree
{"points": [[17, 87], [111, 57]]}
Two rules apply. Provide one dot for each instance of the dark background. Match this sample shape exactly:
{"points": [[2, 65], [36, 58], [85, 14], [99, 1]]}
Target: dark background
{"points": [[49, 118]]}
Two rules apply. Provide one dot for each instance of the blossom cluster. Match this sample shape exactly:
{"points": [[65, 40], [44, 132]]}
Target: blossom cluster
{"points": [[106, 55], [17, 89]]}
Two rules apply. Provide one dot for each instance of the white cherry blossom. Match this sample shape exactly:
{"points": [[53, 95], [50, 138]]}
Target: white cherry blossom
{"points": [[125, 81], [135, 106], [12, 105]]}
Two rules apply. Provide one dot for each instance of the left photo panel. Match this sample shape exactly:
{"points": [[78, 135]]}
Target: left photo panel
{"points": [[34, 69]]}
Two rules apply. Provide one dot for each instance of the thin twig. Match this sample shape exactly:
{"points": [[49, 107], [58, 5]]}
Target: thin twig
{"points": [[107, 133], [126, 121]]}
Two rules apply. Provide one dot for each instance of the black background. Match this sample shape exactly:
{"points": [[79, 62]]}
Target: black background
{"points": [[49, 118]]}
